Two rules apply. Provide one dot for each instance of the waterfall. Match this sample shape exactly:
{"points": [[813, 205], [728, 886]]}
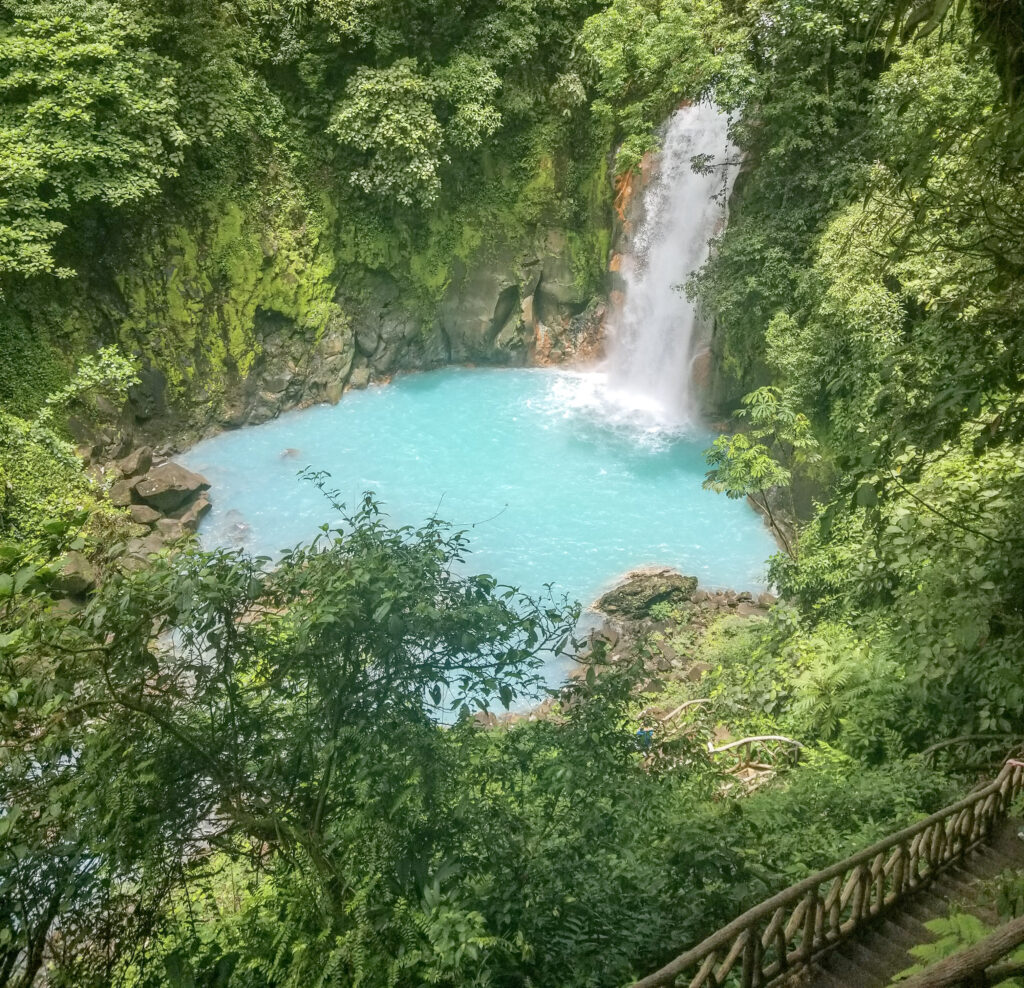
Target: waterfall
{"points": [[652, 336]]}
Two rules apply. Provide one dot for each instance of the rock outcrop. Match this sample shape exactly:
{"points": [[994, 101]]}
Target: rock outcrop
{"points": [[520, 309], [512, 306], [168, 487], [658, 615], [164, 502], [636, 595]]}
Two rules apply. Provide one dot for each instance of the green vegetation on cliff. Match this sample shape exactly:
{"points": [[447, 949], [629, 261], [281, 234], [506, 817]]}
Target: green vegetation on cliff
{"points": [[891, 320], [870, 274], [213, 772], [173, 171]]}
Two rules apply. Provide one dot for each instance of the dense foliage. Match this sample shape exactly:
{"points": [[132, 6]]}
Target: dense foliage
{"points": [[217, 771], [871, 275], [168, 170], [891, 321]]}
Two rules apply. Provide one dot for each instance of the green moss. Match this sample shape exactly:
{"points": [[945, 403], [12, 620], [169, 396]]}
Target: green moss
{"points": [[590, 236], [536, 185], [186, 292], [430, 272], [41, 481], [193, 297]]}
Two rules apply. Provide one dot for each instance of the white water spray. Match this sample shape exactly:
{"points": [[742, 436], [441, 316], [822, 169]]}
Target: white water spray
{"points": [[647, 380]]}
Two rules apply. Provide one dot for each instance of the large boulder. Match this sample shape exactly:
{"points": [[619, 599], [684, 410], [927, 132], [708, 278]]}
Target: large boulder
{"points": [[367, 339], [77, 576], [121, 493], [634, 597], [484, 302], [170, 528], [191, 514], [137, 462], [169, 486], [360, 377], [143, 514]]}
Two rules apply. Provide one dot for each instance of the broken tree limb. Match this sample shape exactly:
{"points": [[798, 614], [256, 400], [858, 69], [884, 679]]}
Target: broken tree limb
{"points": [[968, 966]]}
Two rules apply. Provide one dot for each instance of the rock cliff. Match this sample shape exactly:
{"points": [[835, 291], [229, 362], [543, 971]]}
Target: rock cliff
{"points": [[511, 306]]}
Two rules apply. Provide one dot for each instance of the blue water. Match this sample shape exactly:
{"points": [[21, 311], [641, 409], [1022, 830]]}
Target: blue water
{"points": [[549, 490]]}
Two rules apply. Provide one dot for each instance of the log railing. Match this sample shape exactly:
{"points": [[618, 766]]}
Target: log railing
{"points": [[786, 932]]}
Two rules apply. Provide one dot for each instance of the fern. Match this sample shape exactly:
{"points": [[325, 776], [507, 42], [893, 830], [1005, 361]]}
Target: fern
{"points": [[954, 933]]}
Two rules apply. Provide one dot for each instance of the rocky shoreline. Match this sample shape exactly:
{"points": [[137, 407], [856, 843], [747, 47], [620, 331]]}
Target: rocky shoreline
{"points": [[163, 500], [659, 614], [509, 308], [654, 615]]}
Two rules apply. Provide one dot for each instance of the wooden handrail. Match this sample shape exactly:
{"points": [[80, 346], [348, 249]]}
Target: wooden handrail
{"points": [[972, 740], [788, 930]]}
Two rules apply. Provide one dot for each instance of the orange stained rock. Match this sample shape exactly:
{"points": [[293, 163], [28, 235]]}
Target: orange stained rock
{"points": [[623, 193], [648, 168], [541, 345]]}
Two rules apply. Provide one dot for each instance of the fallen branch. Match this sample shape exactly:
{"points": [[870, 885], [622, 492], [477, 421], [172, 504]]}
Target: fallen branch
{"points": [[712, 750], [682, 707], [964, 738], [967, 965]]}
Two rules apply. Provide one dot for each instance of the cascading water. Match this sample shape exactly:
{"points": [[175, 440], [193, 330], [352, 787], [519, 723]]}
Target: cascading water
{"points": [[646, 384]]}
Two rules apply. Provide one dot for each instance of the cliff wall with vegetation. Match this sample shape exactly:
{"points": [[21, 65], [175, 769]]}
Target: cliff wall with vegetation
{"points": [[267, 206]]}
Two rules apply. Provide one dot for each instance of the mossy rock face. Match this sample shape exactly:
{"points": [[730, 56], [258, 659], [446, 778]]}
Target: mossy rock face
{"points": [[634, 597], [276, 293]]}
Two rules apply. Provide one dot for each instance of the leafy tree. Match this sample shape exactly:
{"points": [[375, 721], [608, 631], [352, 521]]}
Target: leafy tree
{"points": [[753, 464], [287, 715], [43, 487], [88, 115], [107, 375], [389, 119], [652, 54], [743, 468]]}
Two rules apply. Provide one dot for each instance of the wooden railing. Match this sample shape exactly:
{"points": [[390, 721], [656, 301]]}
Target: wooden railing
{"points": [[790, 929]]}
